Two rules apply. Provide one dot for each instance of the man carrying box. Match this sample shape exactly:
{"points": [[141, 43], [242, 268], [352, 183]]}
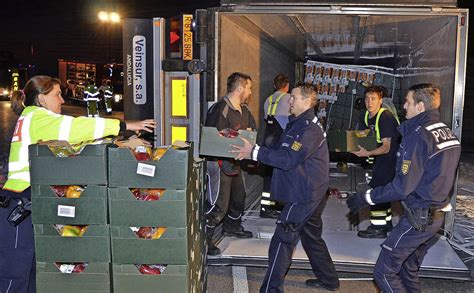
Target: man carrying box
{"points": [[384, 124], [227, 200], [300, 179]]}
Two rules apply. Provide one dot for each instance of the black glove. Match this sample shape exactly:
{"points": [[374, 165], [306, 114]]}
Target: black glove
{"points": [[356, 201]]}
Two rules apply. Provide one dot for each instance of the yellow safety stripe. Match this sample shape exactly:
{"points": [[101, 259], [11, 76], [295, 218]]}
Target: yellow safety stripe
{"points": [[266, 194], [378, 222], [272, 107], [267, 202], [378, 213], [377, 129]]}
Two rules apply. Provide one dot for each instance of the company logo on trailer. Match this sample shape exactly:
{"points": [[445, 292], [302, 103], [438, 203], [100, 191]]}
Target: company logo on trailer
{"points": [[139, 69]]}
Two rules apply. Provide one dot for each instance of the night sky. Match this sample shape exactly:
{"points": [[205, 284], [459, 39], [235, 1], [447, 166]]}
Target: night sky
{"points": [[40, 32]]}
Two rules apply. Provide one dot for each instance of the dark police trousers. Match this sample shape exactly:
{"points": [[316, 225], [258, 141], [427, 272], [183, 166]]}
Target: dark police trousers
{"points": [[299, 221], [402, 253], [17, 263]]}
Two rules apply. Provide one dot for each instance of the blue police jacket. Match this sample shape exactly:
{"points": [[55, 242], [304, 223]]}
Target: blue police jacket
{"points": [[426, 164], [300, 160]]}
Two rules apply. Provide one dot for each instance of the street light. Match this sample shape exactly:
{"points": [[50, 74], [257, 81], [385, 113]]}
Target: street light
{"points": [[112, 17], [108, 17]]}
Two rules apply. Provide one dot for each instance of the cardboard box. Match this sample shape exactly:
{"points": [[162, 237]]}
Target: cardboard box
{"points": [[95, 278], [87, 168], [90, 208], [349, 140], [176, 278], [215, 145], [93, 246], [170, 172]]}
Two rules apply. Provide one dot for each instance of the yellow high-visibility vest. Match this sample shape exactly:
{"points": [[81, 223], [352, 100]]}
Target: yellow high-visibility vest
{"points": [[272, 106], [37, 123], [377, 129]]}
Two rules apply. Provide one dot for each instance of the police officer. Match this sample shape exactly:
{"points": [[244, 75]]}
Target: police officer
{"points": [[300, 180], [40, 119], [426, 168], [384, 124], [226, 192], [276, 112]]}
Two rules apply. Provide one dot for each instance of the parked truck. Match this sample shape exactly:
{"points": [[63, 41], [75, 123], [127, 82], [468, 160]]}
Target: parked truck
{"points": [[393, 43]]}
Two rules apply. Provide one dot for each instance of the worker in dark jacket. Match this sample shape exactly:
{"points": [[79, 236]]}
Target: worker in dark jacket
{"points": [[227, 203], [300, 180], [426, 168]]}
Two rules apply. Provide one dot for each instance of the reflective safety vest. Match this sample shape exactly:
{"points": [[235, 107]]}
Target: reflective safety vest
{"points": [[377, 129], [37, 123], [273, 106]]}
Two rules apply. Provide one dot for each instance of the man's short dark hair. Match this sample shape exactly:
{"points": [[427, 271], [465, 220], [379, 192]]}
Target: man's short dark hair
{"points": [[281, 81], [427, 93], [308, 91], [381, 91], [237, 79]]}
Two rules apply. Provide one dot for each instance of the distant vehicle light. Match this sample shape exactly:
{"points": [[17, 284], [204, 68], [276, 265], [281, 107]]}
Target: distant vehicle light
{"points": [[117, 98], [5, 92]]}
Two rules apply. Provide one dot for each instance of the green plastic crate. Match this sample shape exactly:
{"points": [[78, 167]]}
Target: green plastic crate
{"points": [[87, 168], [172, 209], [215, 145], [176, 279], [93, 246], [95, 278], [170, 172], [90, 208], [174, 247]]}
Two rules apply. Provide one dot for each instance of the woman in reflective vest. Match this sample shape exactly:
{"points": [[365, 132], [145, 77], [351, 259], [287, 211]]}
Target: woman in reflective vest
{"points": [[39, 107]]}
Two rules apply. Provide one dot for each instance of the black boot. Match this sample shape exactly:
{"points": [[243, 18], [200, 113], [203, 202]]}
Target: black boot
{"points": [[374, 231], [212, 249]]}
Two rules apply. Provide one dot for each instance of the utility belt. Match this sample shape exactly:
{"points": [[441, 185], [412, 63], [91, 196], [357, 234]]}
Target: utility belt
{"points": [[20, 212], [419, 218]]}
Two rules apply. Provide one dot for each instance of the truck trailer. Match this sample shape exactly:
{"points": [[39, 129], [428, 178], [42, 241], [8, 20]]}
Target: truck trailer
{"points": [[392, 43]]}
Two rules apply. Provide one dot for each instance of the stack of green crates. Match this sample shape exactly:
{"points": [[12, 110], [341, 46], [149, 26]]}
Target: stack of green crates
{"points": [[179, 210], [88, 169]]}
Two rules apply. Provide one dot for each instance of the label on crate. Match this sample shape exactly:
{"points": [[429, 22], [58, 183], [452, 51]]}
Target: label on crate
{"points": [[66, 211], [66, 268], [145, 169]]}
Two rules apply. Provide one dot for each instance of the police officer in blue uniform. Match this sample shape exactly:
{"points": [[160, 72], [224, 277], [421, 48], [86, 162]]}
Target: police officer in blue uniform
{"points": [[300, 180], [426, 168]]}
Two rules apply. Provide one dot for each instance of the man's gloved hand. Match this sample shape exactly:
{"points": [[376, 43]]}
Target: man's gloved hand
{"points": [[356, 201]]}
